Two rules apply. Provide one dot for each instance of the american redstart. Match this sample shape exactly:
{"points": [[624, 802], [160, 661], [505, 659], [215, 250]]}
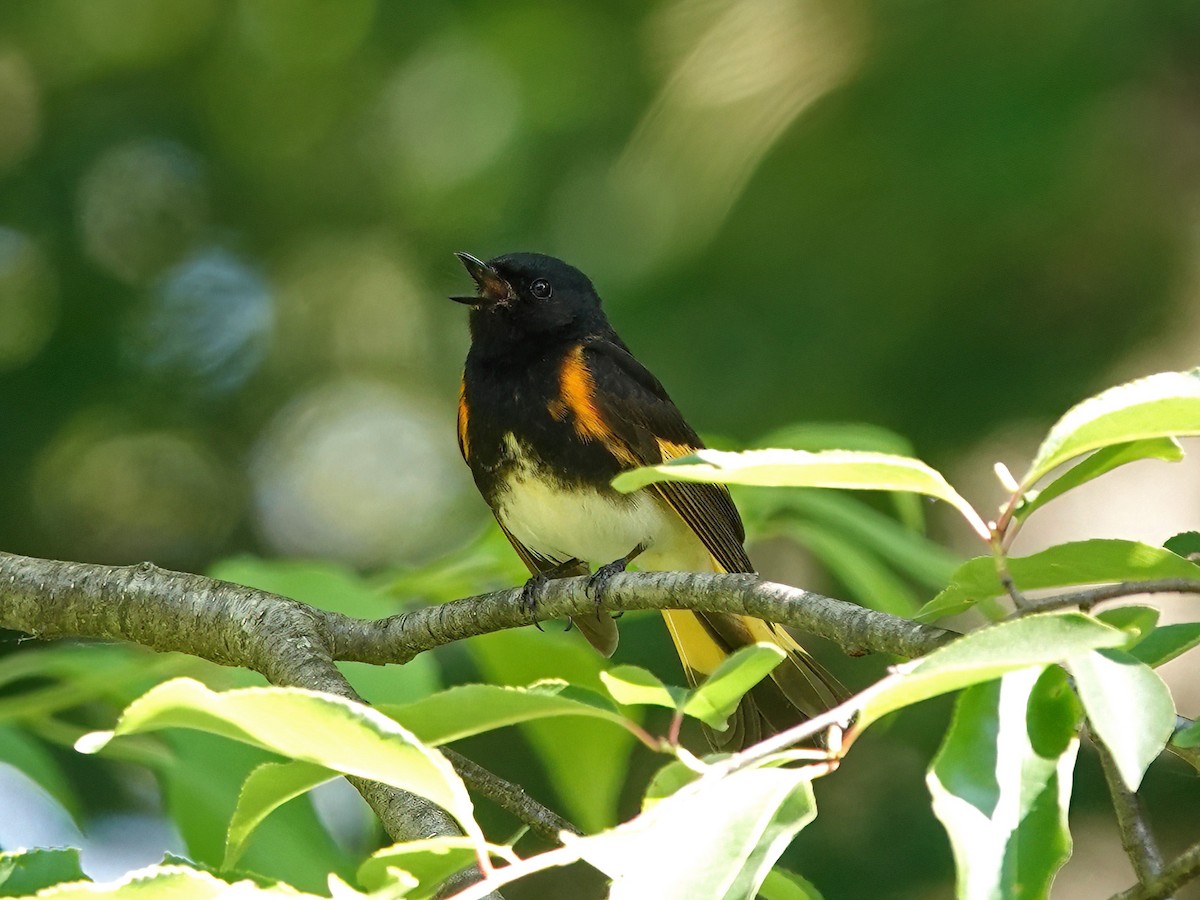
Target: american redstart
{"points": [[552, 407]]}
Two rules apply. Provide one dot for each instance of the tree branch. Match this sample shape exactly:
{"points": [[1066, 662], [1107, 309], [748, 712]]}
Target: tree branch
{"points": [[1181, 870], [1136, 835], [1086, 599], [291, 643], [855, 629], [285, 641]]}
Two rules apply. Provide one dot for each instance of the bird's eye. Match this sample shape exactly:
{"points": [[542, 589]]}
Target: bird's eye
{"points": [[541, 289]]}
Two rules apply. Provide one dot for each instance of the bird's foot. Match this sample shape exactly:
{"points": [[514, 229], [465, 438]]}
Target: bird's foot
{"points": [[598, 582], [531, 593]]}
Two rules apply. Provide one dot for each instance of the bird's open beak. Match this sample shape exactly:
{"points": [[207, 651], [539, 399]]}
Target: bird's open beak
{"points": [[493, 289]]}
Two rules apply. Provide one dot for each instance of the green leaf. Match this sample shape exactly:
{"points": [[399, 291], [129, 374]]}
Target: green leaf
{"points": [[866, 577], [851, 436], [471, 709], [1103, 460], [780, 884], [29, 871], [845, 469], [1136, 621], [1184, 544], [1188, 737], [338, 589], [726, 834], [174, 882], [1129, 707], [318, 728], [265, 790], [1165, 643], [584, 759], [1079, 562], [1158, 406], [635, 686], [30, 756], [714, 701], [983, 655], [909, 552], [1054, 713], [430, 862], [667, 781], [201, 787], [1002, 802]]}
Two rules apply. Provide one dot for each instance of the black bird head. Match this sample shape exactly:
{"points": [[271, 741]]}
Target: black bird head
{"points": [[524, 299]]}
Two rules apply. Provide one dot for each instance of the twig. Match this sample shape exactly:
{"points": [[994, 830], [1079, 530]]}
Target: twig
{"points": [[1136, 835], [1182, 869], [1088, 598], [510, 797]]}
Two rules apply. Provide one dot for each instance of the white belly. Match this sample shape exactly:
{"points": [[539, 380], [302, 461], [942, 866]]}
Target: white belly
{"points": [[596, 527]]}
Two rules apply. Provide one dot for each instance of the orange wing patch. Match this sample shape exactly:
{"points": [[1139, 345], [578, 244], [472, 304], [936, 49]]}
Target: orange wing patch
{"points": [[577, 399], [464, 446]]}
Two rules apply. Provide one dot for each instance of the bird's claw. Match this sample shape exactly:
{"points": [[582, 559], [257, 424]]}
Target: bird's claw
{"points": [[598, 581], [531, 593]]}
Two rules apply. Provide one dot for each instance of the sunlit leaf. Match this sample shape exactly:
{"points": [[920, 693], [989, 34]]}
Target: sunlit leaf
{"points": [[635, 686], [266, 789], [1079, 562], [982, 655], [730, 832], [1129, 707], [175, 882], [845, 469], [470, 709], [780, 884], [318, 728], [1102, 461], [1004, 803], [1158, 406], [718, 696], [852, 436], [429, 862]]}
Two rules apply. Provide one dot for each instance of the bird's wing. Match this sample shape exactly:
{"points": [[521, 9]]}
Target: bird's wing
{"points": [[650, 428]]}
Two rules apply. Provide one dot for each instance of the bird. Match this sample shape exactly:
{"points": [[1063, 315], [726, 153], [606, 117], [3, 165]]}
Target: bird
{"points": [[552, 406]]}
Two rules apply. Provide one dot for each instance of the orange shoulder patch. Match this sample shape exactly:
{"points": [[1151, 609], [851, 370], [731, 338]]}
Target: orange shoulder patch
{"points": [[577, 399], [463, 416]]}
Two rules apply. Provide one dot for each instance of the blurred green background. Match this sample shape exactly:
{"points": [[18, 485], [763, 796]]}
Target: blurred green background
{"points": [[226, 235]]}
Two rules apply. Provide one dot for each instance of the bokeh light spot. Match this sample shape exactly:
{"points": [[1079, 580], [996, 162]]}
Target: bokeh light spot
{"points": [[28, 299], [141, 207], [140, 33], [305, 33], [20, 108], [208, 322], [351, 302], [361, 472], [120, 495], [446, 115]]}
